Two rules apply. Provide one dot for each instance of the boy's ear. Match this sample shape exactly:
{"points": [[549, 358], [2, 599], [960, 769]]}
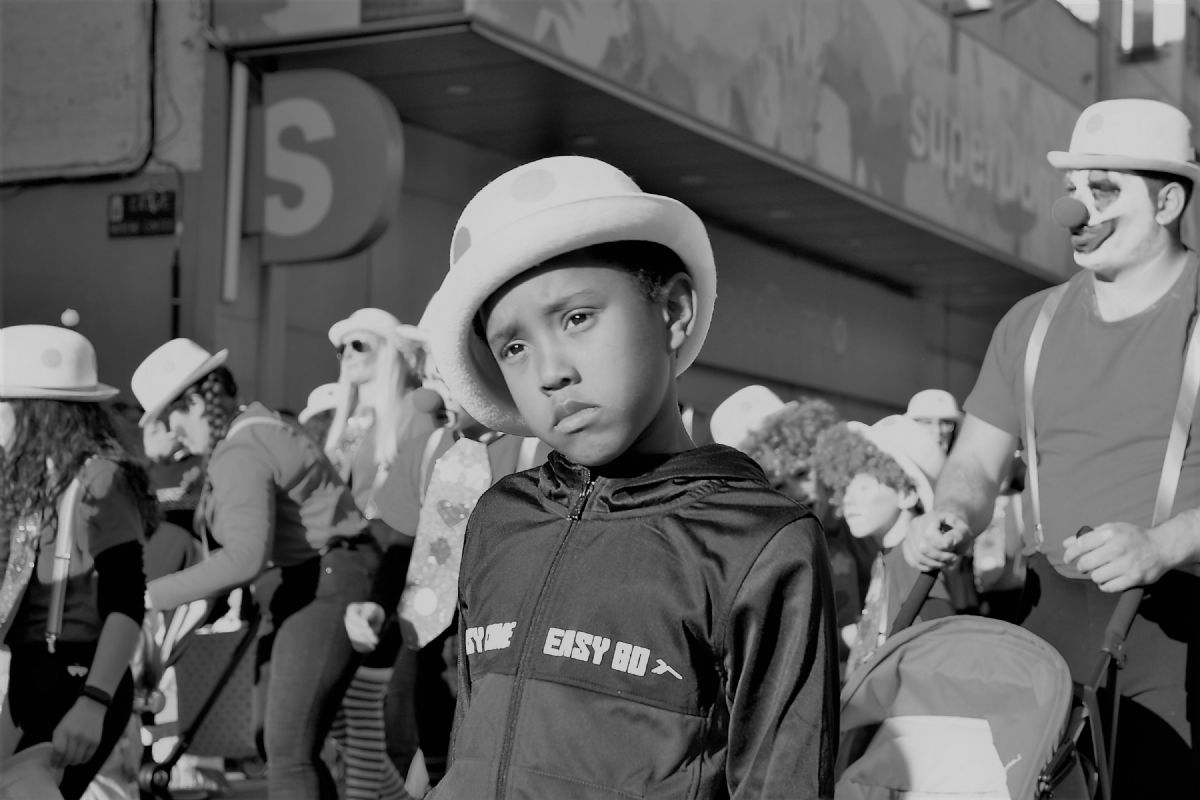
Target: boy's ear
{"points": [[909, 499], [679, 310]]}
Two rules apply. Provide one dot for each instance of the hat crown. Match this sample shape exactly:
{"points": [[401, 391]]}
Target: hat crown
{"points": [[46, 357], [1134, 128], [157, 380], [531, 189], [372, 320], [741, 412], [933, 404]]}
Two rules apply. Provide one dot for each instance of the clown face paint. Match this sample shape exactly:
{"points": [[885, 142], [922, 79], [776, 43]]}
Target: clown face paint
{"points": [[1121, 228]]}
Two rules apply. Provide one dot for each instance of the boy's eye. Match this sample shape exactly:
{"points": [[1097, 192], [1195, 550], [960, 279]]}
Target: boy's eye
{"points": [[511, 350], [577, 318]]}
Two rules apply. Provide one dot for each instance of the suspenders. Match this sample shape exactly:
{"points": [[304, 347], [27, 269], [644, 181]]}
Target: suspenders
{"points": [[1185, 407]]}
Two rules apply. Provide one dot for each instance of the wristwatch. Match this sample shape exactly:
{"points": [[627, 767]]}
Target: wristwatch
{"points": [[96, 693]]}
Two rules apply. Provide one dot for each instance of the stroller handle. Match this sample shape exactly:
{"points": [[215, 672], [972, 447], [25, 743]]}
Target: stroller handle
{"points": [[912, 604]]}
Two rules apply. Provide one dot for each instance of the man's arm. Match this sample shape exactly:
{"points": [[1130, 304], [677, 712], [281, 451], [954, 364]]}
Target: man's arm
{"points": [[965, 496]]}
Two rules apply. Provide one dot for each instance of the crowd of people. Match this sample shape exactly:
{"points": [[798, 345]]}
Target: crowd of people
{"points": [[492, 560]]}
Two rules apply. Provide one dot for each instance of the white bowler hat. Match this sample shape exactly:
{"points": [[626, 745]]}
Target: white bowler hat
{"points": [[323, 398], [1131, 133], [740, 413], [50, 363], [164, 374], [910, 445], [933, 404], [525, 217]]}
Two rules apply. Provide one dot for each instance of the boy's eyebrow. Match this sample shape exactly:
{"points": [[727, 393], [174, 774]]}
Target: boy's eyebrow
{"points": [[552, 309]]}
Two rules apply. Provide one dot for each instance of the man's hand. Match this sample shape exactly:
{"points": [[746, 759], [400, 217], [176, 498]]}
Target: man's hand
{"points": [[157, 441], [1117, 556], [935, 540], [78, 733], [363, 623]]}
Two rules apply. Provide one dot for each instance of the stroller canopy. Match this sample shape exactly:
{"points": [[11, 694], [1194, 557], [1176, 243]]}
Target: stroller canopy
{"points": [[955, 707]]}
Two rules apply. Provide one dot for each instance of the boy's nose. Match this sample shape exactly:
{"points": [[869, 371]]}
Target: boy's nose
{"points": [[555, 372]]}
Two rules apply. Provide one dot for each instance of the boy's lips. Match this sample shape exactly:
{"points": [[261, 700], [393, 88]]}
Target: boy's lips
{"points": [[570, 415]]}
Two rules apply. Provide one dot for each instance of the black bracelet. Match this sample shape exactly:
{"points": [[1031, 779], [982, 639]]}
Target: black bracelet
{"points": [[96, 693]]}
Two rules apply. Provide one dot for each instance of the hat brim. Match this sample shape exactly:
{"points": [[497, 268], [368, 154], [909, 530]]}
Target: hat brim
{"points": [[462, 358], [1061, 159], [208, 366], [93, 394]]}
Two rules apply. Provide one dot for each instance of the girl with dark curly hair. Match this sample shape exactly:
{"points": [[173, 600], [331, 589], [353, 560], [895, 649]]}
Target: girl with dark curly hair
{"points": [[74, 511], [270, 497]]}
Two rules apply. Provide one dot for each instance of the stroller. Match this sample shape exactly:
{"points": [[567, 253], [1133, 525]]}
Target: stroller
{"points": [[204, 643], [972, 707]]}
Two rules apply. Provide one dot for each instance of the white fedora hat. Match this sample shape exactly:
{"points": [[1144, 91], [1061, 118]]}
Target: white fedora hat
{"points": [[50, 363], [323, 398], [910, 445], [529, 215], [371, 320], [742, 412], [164, 374], [1131, 134]]}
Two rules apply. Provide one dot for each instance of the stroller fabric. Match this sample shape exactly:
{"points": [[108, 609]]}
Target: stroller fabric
{"points": [[958, 707]]}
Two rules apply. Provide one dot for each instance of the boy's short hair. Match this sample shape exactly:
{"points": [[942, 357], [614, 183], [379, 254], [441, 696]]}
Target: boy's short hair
{"points": [[526, 217]]}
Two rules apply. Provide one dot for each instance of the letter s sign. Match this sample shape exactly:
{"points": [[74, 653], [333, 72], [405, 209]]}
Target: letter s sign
{"points": [[308, 174], [333, 161]]}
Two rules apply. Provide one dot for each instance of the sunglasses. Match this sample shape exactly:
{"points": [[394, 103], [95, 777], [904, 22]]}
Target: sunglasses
{"points": [[357, 345]]}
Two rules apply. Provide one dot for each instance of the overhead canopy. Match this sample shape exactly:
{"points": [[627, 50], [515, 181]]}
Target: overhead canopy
{"points": [[465, 78]]}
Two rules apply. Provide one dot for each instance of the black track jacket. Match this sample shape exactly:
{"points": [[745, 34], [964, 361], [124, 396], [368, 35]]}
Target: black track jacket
{"points": [[663, 634]]}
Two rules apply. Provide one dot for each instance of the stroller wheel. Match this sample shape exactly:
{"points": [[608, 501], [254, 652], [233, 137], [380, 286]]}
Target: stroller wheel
{"points": [[153, 780]]}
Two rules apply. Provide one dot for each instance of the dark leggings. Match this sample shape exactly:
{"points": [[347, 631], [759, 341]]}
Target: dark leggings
{"points": [[1158, 719], [305, 663], [42, 690]]}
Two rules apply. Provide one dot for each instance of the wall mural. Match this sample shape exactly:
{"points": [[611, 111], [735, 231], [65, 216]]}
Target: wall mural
{"points": [[884, 97]]}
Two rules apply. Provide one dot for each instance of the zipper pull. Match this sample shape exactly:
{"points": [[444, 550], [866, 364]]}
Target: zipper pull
{"points": [[577, 512]]}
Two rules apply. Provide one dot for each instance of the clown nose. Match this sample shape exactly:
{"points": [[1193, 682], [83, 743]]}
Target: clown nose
{"points": [[1069, 212]]}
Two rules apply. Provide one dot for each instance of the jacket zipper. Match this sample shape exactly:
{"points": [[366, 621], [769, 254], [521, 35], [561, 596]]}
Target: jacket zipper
{"points": [[514, 702]]}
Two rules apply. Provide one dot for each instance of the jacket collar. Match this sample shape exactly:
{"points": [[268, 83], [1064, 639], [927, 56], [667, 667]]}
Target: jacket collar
{"points": [[646, 483]]}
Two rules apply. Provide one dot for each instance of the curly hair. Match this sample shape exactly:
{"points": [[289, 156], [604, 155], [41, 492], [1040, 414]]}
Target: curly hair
{"points": [[52, 441], [784, 440], [218, 391], [841, 453]]}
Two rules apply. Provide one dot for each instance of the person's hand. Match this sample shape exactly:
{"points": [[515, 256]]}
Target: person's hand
{"points": [[363, 623], [935, 540], [157, 441], [1116, 556], [77, 735]]}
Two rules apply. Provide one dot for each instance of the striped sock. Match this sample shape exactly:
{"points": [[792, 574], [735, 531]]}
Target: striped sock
{"points": [[369, 772]]}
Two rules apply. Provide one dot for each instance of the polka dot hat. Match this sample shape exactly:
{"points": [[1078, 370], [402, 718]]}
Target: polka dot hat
{"points": [[526, 216], [48, 362]]}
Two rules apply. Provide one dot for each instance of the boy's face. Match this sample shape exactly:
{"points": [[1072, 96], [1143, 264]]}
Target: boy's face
{"points": [[588, 358], [870, 508]]}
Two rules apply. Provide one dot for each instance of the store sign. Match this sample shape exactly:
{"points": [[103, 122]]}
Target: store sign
{"points": [[148, 213], [332, 160]]}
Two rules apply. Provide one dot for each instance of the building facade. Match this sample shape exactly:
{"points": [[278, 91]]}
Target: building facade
{"points": [[873, 174]]}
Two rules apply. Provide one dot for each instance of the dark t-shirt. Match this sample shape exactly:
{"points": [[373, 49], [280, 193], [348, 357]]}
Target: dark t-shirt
{"points": [[1104, 399]]}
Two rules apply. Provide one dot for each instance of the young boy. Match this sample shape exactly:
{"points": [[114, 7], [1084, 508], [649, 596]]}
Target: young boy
{"points": [[640, 617], [882, 478]]}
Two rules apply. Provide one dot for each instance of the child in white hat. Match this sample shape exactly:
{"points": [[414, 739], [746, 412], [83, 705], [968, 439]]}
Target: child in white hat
{"points": [[271, 500], [75, 508], [641, 616], [882, 477]]}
